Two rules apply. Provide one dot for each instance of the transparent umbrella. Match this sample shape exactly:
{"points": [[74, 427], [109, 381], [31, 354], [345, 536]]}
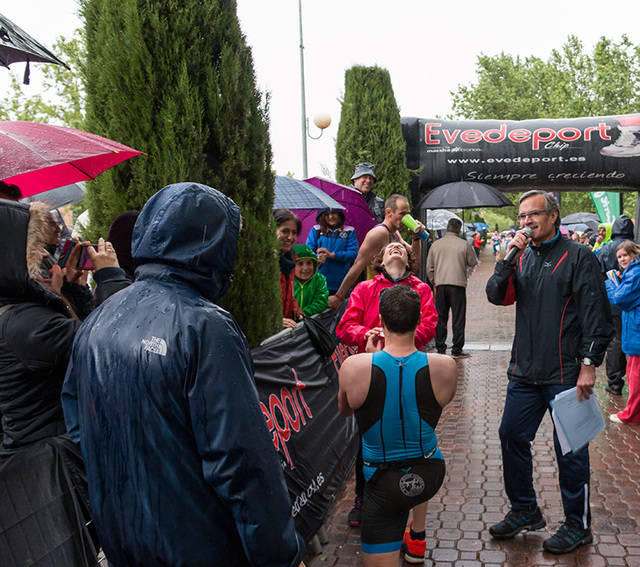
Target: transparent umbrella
{"points": [[438, 219]]}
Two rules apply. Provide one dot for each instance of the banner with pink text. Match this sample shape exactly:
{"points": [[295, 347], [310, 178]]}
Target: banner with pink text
{"points": [[298, 391], [576, 154]]}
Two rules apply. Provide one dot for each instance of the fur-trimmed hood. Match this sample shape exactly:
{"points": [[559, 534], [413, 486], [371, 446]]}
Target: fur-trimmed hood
{"points": [[24, 230]]}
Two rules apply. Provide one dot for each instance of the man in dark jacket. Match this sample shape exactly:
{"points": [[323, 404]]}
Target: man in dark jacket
{"points": [[160, 394], [615, 361], [363, 179], [563, 326]]}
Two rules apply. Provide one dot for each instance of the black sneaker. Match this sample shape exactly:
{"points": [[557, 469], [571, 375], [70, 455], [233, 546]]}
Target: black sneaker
{"points": [[569, 536], [516, 522], [613, 390], [355, 515]]}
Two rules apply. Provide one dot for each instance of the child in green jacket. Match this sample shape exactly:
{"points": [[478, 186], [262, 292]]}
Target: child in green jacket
{"points": [[310, 287]]}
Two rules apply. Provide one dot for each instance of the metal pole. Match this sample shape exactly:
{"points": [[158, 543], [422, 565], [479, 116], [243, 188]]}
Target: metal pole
{"points": [[303, 105]]}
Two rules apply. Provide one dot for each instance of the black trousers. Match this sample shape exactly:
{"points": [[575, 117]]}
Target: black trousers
{"points": [[454, 298], [616, 361], [524, 408]]}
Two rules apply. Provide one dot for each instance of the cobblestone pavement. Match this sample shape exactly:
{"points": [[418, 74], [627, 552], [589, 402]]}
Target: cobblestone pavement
{"points": [[472, 496]]}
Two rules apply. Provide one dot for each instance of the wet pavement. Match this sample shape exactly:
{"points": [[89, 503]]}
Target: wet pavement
{"points": [[472, 496]]}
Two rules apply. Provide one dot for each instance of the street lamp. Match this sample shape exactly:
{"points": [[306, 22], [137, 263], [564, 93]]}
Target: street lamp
{"points": [[322, 121]]}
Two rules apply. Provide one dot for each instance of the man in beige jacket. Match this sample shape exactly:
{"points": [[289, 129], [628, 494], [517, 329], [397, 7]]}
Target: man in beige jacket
{"points": [[448, 262]]}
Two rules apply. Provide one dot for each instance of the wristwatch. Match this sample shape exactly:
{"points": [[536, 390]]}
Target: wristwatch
{"points": [[587, 361]]}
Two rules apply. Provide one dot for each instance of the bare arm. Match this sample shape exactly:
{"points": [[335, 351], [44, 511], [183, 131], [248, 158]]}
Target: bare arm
{"points": [[353, 383], [416, 248], [343, 404], [444, 377], [345, 377], [376, 238]]}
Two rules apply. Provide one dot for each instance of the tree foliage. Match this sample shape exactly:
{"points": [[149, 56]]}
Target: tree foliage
{"points": [[63, 102], [570, 83], [370, 130], [176, 81]]}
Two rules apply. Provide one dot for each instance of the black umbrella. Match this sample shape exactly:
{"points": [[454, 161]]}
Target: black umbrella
{"points": [[17, 45], [464, 195]]}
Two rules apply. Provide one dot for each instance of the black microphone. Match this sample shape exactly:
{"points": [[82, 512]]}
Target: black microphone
{"points": [[508, 259]]}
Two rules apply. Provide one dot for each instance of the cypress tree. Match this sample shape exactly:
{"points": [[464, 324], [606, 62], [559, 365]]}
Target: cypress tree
{"points": [[176, 80], [370, 130]]}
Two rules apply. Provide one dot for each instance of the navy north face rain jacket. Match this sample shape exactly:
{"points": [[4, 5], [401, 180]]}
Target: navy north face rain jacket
{"points": [[160, 394]]}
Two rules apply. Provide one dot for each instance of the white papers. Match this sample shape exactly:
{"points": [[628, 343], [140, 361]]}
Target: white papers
{"points": [[613, 276], [576, 422]]}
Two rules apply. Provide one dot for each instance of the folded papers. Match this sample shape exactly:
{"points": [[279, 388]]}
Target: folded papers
{"points": [[576, 422]]}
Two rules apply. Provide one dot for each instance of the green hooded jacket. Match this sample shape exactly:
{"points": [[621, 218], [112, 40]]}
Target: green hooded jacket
{"points": [[607, 237], [312, 295]]}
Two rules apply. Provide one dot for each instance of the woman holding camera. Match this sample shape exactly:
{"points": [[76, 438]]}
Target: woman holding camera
{"points": [[41, 306]]}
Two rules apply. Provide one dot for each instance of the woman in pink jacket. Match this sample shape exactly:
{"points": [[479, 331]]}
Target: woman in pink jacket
{"points": [[394, 265], [361, 320]]}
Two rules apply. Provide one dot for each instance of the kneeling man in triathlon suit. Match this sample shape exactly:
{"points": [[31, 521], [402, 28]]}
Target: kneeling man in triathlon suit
{"points": [[397, 394]]}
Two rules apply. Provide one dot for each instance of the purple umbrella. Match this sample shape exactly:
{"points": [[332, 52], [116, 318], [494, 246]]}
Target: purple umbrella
{"points": [[357, 213]]}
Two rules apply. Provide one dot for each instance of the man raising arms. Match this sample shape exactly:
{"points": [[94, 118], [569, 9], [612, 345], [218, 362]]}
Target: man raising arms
{"points": [[396, 207]]}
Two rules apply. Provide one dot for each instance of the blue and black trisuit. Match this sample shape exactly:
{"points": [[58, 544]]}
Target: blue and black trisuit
{"points": [[403, 466]]}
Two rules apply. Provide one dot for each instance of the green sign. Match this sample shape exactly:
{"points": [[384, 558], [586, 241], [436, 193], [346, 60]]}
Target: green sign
{"points": [[607, 205]]}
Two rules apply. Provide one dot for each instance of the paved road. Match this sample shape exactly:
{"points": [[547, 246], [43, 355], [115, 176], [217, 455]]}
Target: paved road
{"points": [[472, 497]]}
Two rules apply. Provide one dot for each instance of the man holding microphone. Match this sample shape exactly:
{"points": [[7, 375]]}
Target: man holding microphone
{"points": [[563, 326]]}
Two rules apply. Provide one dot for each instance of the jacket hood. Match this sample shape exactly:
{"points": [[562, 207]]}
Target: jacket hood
{"points": [[633, 266], [326, 210], [304, 251], [189, 232], [622, 228], [24, 230], [607, 228]]}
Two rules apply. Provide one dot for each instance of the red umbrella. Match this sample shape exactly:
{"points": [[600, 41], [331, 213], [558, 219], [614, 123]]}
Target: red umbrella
{"points": [[38, 157]]}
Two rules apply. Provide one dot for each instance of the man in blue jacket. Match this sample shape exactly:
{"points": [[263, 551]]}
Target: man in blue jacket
{"points": [[160, 394]]}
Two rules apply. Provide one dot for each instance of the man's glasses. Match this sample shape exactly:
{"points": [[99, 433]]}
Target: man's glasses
{"points": [[532, 215]]}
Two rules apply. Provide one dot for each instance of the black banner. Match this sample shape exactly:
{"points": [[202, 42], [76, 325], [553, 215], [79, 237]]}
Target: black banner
{"points": [[298, 391], [580, 154]]}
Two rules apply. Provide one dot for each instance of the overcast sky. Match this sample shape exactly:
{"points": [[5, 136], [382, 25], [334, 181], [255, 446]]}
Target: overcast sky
{"points": [[428, 47]]}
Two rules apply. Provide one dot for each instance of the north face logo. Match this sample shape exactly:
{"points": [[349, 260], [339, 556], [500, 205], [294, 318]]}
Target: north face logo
{"points": [[155, 346]]}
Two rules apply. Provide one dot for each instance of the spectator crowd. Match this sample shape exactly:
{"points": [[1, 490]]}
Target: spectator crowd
{"points": [[140, 388]]}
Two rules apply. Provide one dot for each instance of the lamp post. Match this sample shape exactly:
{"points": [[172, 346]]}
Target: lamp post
{"points": [[322, 121]]}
